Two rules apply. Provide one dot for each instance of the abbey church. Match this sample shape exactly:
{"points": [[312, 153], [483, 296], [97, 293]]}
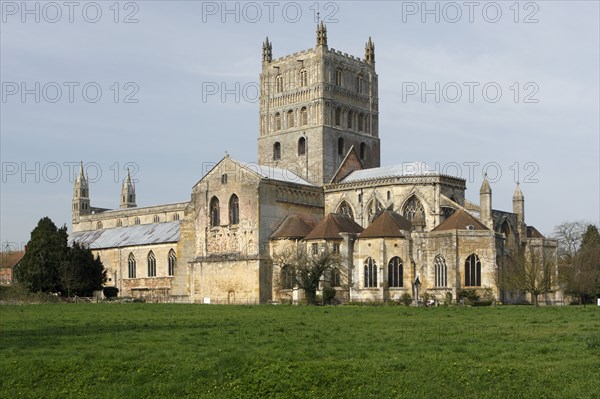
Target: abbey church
{"points": [[318, 183]]}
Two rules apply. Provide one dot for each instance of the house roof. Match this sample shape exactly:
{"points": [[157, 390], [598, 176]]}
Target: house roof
{"points": [[403, 169], [459, 221], [8, 260], [293, 226], [331, 227], [143, 234], [388, 224], [532, 232], [269, 172]]}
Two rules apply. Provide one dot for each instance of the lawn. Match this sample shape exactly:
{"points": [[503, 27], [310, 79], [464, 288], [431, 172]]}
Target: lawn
{"points": [[176, 351]]}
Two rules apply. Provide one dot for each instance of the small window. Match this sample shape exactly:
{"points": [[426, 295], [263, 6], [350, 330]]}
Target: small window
{"points": [[151, 264], [361, 122], [175, 216], [339, 77], [99, 225], [315, 248], [336, 248], [279, 84], [338, 116], [136, 220], [304, 115], [234, 209], [290, 119], [119, 223], [363, 151], [303, 78], [336, 278], [359, 84], [224, 178], [287, 277], [277, 121], [340, 148], [389, 195], [350, 119], [301, 146], [214, 212], [156, 219], [172, 261], [276, 151]]}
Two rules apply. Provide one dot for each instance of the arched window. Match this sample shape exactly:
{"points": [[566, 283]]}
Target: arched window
{"points": [[304, 115], [131, 266], [151, 264], [361, 122], [414, 211], [279, 84], [359, 84], [172, 261], [214, 212], [340, 146], [374, 209], [345, 209], [277, 121], [472, 271], [303, 78], [119, 223], [350, 119], [395, 272], [389, 195], [99, 225], [276, 150], [370, 273], [287, 277], [336, 278], [156, 218], [234, 209], [363, 151], [136, 220], [224, 178], [338, 116], [441, 271], [290, 119], [339, 77], [175, 216], [301, 146]]}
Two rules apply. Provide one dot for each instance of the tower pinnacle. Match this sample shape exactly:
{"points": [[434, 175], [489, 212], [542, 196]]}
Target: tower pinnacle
{"points": [[267, 54], [321, 34], [370, 52]]}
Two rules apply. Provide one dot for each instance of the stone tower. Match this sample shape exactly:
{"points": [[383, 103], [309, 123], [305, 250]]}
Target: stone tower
{"points": [[519, 210], [314, 106], [128, 193], [485, 203], [81, 193]]}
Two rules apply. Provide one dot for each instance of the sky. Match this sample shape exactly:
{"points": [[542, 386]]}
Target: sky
{"points": [[165, 88]]}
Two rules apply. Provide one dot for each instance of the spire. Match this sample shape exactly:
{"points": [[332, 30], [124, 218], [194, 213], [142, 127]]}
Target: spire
{"points": [[485, 203], [370, 52], [81, 177], [267, 55], [128, 192], [518, 195], [485, 186], [321, 35], [81, 192], [519, 210]]}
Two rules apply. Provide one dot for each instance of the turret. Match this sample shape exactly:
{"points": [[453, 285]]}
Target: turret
{"points": [[128, 193], [519, 210], [370, 52], [321, 35], [267, 54], [81, 199], [485, 203]]}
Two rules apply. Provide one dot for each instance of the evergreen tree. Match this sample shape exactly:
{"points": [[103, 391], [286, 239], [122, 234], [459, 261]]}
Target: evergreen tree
{"points": [[582, 277]]}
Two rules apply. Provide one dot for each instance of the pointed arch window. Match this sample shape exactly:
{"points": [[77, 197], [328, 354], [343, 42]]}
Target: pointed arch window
{"points": [[279, 84], [287, 277], [363, 151], [336, 277], [214, 212], [361, 122], [340, 149], [338, 116], [301, 146], [151, 264], [359, 83], [276, 150], [290, 119], [277, 121], [172, 261], [472, 271], [374, 209], [234, 209], [304, 115], [99, 225], [441, 271], [414, 211], [345, 209], [303, 77], [339, 77], [131, 266], [370, 272], [350, 119], [395, 272]]}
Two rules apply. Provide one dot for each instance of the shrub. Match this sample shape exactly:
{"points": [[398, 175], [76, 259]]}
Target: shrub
{"points": [[406, 299], [470, 296], [328, 295], [110, 292], [448, 299]]}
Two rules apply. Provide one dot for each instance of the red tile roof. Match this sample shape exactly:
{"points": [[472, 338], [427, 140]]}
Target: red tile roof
{"points": [[8, 260], [293, 227], [459, 221], [331, 227], [388, 224]]}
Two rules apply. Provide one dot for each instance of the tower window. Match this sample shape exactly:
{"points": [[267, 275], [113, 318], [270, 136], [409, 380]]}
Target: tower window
{"points": [[339, 77], [338, 116], [363, 151], [224, 178], [350, 119], [301, 146], [276, 150], [214, 212], [290, 118], [361, 122], [340, 146], [359, 84], [303, 78], [278, 121], [304, 116], [279, 84], [234, 209]]}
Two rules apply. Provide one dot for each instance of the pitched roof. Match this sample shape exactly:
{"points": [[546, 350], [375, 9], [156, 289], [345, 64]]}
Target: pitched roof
{"points": [[143, 234], [403, 169], [269, 172], [10, 259], [388, 224], [459, 221], [350, 163], [293, 226], [532, 232], [332, 226]]}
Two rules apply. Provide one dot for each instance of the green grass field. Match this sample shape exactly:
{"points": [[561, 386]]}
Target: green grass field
{"points": [[175, 351]]}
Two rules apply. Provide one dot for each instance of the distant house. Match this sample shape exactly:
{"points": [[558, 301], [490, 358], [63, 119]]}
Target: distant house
{"points": [[8, 260]]}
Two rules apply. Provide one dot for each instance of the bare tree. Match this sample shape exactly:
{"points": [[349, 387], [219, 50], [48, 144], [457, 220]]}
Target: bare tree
{"points": [[532, 271], [569, 236], [306, 271]]}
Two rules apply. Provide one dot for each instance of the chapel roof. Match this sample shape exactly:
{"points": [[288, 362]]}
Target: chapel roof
{"points": [[459, 221], [293, 226], [143, 234], [331, 227], [388, 224], [403, 169]]}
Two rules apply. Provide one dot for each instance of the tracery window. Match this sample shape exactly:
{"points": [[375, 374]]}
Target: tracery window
{"points": [[395, 272], [441, 271], [359, 83], [151, 264], [414, 211], [339, 77], [472, 271], [370, 269], [345, 209], [131, 266], [172, 261]]}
